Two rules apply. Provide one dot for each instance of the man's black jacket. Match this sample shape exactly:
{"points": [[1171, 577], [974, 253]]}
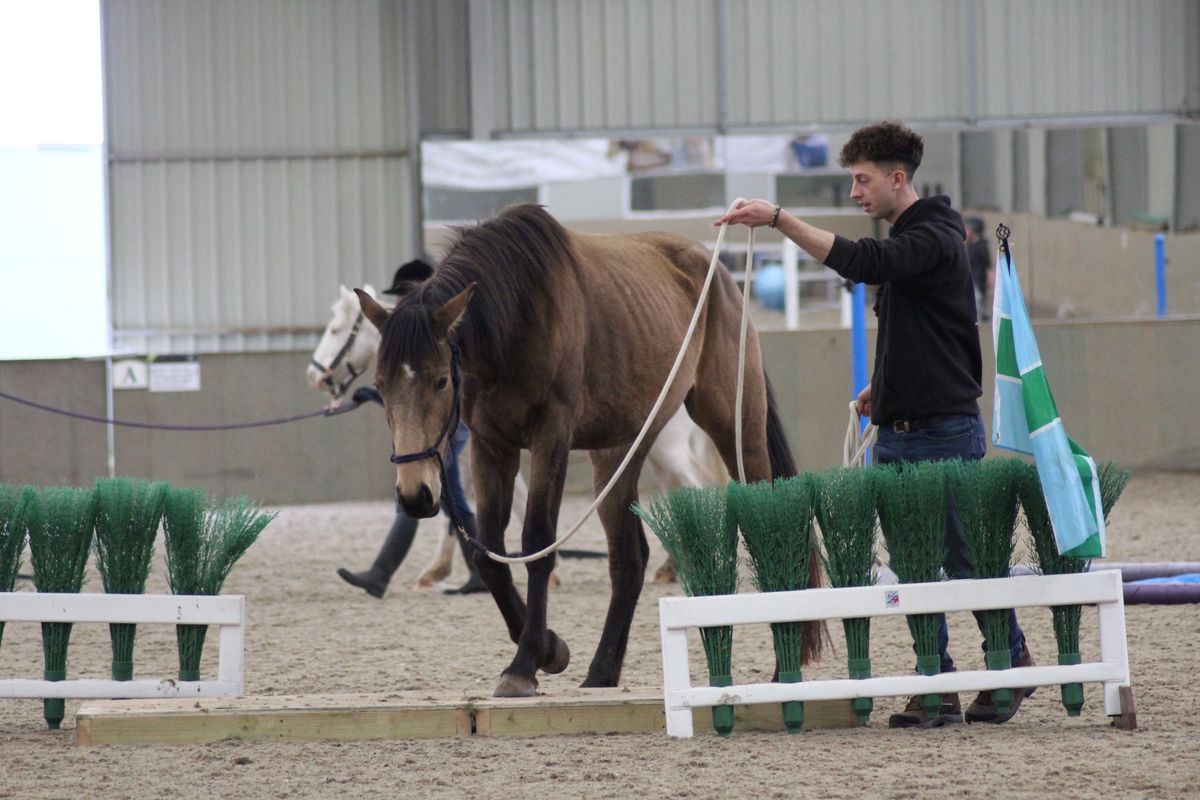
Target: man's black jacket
{"points": [[927, 357]]}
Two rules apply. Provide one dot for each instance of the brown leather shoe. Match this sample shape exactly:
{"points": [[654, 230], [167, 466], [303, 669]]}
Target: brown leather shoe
{"points": [[983, 708], [914, 716]]}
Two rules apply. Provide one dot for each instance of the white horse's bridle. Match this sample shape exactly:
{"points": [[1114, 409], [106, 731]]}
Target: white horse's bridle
{"points": [[338, 389]]}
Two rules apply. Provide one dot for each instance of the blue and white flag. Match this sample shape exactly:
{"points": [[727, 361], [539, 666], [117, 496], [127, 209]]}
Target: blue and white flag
{"points": [[1025, 419]]}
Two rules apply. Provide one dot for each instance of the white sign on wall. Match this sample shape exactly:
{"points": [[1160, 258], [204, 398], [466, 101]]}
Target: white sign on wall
{"points": [[175, 374]]}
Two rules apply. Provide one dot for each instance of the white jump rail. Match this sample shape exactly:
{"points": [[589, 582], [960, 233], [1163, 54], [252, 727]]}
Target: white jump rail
{"points": [[228, 612], [677, 614]]}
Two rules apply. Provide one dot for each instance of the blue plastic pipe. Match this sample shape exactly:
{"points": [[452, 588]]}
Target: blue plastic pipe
{"points": [[1160, 272]]}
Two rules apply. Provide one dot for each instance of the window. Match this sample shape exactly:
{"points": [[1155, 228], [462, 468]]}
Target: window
{"points": [[53, 283]]}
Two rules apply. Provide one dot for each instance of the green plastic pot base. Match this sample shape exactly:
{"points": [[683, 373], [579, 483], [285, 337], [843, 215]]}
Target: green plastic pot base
{"points": [[930, 665], [54, 708], [722, 715], [122, 670], [189, 674], [1072, 693], [1000, 659], [862, 707], [860, 668], [793, 710]]}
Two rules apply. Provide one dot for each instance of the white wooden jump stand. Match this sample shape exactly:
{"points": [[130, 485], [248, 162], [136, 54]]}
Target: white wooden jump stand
{"points": [[228, 612], [677, 614]]}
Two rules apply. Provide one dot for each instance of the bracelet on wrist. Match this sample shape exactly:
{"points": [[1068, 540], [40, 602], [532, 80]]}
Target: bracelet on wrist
{"points": [[775, 218]]}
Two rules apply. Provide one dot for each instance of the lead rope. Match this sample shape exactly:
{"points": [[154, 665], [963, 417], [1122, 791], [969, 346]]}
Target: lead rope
{"points": [[741, 373], [857, 441], [662, 395]]}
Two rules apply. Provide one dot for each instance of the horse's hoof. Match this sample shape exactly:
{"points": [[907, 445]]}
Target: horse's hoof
{"points": [[597, 683], [422, 584], [560, 655], [554, 582], [515, 686], [664, 575]]}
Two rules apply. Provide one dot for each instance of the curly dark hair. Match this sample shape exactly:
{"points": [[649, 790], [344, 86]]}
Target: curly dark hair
{"points": [[887, 142]]}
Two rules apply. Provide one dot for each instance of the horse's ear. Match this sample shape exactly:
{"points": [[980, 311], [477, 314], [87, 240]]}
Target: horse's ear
{"points": [[372, 310], [448, 317]]}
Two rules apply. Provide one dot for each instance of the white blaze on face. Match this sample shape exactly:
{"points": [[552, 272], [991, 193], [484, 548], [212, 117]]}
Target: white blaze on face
{"points": [[409, 372], [412, 433]]}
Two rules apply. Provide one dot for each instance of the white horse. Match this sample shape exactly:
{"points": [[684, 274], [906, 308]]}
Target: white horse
{"points": [[682, 455]]}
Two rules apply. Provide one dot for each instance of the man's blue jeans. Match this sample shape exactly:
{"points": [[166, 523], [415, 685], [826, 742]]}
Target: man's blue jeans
{"points": [[962, 437]]}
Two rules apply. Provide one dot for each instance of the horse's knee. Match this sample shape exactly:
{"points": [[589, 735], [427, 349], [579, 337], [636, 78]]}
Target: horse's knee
{"points": [[628, 568], [486, 565], [539, 571]]}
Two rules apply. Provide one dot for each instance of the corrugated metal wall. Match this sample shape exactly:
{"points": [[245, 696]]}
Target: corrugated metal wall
{"points": [[259, 154], [1085, 57], [542, 67], [263, 151], [443, 78], [575, 65]]}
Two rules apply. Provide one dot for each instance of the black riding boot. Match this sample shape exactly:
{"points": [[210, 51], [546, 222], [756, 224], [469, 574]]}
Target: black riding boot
{"points": [[391, 555], [474, 582]]}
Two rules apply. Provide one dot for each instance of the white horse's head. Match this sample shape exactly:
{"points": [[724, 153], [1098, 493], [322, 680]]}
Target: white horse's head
{"points": [[347, 347]]}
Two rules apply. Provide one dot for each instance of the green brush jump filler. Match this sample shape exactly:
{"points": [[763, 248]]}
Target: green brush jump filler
{"points": [[60, 522], [844, 502], [203, 544], [128, 512], [911, 501], [1113, 480], [12, 539], [776, 523], [697, 530], [986, 494]]}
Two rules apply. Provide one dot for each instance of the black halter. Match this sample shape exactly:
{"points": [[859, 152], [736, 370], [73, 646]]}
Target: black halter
{"points": [[340, 389], [434, 451]]}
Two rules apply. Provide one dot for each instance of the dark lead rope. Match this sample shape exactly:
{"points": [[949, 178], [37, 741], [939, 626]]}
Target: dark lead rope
{"points": [[325, 412]]}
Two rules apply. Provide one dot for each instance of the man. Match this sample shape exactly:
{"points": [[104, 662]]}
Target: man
{"points": [[980, 257], [926, 382]]}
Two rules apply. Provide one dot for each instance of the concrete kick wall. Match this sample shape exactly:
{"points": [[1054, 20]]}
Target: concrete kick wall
{"points": [[313, 460], [1118, 386], [1072, 270]]}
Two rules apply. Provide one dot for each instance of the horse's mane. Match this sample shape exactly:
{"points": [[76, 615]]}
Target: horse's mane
{"points": [[517, 260]]}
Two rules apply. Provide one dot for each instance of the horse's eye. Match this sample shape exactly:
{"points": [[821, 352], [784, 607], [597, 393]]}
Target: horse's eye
{"points": [[441, 383]]}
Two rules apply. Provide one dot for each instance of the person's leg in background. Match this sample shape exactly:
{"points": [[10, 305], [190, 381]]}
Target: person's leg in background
{"points": [[395, 547]]}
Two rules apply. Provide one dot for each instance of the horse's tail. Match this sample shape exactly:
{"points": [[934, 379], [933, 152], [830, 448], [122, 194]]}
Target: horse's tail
{"points": [[816, 633], [778, 449]]}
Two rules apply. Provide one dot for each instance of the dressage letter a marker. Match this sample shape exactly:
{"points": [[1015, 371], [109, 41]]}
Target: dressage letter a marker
{"points": [[130, 374]]}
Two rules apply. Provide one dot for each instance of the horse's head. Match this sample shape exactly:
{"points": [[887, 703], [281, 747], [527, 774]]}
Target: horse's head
{"points": [[417, 376], [347, 346]]}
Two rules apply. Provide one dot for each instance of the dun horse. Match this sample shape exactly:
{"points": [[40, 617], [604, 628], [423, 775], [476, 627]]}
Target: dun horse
{"points": [[682, 454], [563, 341]]}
